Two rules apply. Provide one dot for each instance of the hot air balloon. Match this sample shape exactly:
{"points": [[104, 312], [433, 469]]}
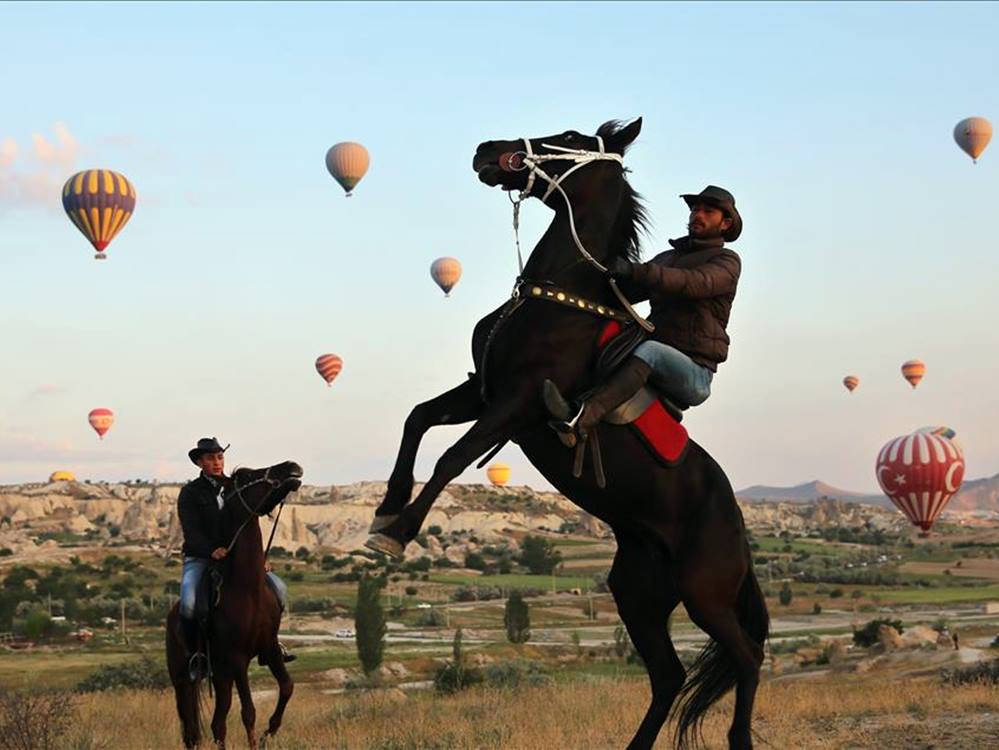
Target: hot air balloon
{"points": [[851, 382], [100, 203], [62, 476], [347, 162], [913, 371], [499, 474], [329, 366], [920, 472], [446, 272], [101, 420], [973, 135]]}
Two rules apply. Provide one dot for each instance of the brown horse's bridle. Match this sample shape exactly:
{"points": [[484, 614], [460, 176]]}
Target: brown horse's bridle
{"points": [[254, 513]]}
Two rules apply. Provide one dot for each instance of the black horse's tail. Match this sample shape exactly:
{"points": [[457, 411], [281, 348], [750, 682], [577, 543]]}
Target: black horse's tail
{"points": [[714, 671]]}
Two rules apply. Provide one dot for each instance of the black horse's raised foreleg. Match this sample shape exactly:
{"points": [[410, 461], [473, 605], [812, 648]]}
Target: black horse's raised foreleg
{"points": [[499, 422], [458, 405]]}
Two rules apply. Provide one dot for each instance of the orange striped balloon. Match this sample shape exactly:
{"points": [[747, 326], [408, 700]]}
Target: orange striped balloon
{"points": [[329, 366], [851, 382], [99, 202], [446, 272], [101, 420], [913, 371], [348, 162]]}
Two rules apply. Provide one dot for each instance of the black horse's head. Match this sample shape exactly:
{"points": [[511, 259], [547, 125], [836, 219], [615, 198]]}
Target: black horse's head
{"points": [[502, 163], [258, 491]]}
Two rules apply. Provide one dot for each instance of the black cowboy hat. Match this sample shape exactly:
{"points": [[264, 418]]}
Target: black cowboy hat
{"points": [[723, 200], [205, 445]]}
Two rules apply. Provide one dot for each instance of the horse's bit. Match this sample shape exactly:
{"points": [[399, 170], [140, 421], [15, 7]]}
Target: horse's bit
{"points": [[274, 484]]}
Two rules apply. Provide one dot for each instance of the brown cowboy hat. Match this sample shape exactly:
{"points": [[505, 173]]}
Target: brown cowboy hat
{"points": [[205, 445], [723, 200]]}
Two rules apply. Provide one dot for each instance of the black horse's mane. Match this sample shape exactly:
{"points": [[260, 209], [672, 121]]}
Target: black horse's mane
{"points": [[632, 219]]}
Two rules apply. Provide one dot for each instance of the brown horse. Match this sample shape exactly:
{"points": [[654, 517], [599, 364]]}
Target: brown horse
{"points": [[679, 531], [245, 623]]}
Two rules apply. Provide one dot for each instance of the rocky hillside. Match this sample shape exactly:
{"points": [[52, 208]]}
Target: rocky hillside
{"points": [[35, 519]]}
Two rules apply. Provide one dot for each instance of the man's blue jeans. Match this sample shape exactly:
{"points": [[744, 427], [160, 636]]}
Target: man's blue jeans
{"points": [[681, 379], [195, 567]]}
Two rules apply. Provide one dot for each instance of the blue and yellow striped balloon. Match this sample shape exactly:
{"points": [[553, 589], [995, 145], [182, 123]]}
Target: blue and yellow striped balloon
{"points": [[100, 203]]}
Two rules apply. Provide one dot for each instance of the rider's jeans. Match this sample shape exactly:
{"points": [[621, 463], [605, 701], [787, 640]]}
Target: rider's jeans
{"points": [[195, 567], [680, 378]]}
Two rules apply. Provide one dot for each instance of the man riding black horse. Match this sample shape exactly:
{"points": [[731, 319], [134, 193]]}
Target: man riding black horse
{"points": [[207, 532], [691, 288]]}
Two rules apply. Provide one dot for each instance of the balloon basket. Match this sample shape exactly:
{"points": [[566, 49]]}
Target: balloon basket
{"points": [[348, 195], [100, 256]]}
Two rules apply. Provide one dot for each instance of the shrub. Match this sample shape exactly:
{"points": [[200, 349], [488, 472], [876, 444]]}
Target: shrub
{"points": [[144, 674], [868, 635], [475, 561], [6, 552], [986, 673], [517, 619], [454, 675], [513, 675], [369, 623], [539, 555], [431, 618], [302, 553], [35, 721], [816, 609], [836, 593], [296, 576], [412, 591], [435, 530], [786, 595]]}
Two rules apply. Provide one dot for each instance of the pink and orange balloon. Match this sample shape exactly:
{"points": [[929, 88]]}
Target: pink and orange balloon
{"points": [[329, 366], [101, 420]]}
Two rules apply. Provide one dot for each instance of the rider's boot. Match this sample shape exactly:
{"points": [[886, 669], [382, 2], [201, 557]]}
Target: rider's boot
{"points": [[197, 664], [621, 386]]}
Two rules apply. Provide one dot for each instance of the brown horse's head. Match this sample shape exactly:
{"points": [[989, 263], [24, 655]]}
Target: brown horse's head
{"points": [[258, 491]]}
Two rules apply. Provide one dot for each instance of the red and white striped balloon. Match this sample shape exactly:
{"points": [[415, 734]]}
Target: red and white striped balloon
{"points": [[329, 366], [921, 472]]}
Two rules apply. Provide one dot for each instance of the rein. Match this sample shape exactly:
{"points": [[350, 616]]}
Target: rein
{"points": [[527, 159]]}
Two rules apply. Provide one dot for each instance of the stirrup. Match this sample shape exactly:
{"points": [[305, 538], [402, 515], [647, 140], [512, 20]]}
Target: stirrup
{"points": [[566, 430], [197, 666]]}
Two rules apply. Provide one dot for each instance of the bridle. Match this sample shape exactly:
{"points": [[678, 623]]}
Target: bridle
{"points": [[518, 161], [253, 513]]}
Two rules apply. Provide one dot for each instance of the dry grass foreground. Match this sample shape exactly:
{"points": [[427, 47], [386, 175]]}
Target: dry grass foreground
{"points": [[813, 713]]}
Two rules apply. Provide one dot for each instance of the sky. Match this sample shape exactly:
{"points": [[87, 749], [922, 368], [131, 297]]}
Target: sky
{"points": [[869, 237]]}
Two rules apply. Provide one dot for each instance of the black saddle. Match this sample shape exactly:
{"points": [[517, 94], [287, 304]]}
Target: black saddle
{"points": [[617, 350], [207, 596]]}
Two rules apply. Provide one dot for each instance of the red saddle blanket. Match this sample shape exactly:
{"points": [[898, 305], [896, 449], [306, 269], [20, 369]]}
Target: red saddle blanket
{"points": [[665, 438]]}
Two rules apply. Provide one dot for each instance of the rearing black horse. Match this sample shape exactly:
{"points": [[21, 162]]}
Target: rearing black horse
{"points": [[679, 531]]}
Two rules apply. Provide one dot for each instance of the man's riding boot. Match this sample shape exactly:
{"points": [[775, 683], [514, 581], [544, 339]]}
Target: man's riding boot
{"points": [[197, 665], [621, 386]]}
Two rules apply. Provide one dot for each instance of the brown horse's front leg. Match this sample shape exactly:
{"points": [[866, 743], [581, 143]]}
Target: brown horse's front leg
{"points": [[458, 405], [498, 423], [248, 711], [223, 700]]}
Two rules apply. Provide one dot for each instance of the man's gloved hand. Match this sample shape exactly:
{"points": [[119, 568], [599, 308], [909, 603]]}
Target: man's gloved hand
{"points": [[619, 268]]}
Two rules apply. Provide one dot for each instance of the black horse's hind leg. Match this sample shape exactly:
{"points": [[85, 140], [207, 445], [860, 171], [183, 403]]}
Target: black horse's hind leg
{"points": [[747, 656], [497, 424], [458, 405], [285, 688], [643, 590]]}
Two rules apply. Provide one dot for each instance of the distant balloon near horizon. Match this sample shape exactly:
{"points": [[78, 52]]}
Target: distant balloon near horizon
{"points": [[499, 474], [329, 366], [972, 135], [851, 382], [446, 272], [62, 476], [913, 371], [101, 420], [100, 203], [920, 473], [348, 162]]}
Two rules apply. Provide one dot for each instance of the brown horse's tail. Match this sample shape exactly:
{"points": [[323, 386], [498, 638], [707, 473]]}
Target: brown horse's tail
{"points": [[714, 671]]}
